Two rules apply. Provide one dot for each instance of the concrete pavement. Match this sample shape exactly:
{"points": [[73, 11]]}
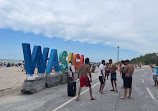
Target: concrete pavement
{"points": [[144, 97]]}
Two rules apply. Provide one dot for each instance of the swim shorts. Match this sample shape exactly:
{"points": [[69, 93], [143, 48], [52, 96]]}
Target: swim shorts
{"points": [[127, 82], [155, 77], [113, 77], [123, 75], [102, 81], [84, 81]]}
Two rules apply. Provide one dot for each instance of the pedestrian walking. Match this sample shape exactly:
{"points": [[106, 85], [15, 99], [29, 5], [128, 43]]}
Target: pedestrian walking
{"points": [[84, 79]]}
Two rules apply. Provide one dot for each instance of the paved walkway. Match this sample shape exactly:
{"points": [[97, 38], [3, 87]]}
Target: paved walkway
{"points": [[144, 97]]}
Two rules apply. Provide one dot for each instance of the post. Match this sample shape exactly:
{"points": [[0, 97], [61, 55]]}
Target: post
{"points": [[118, 54], [66, 46]]}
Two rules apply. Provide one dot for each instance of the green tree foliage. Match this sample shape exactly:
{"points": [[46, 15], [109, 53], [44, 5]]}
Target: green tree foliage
{"points": [[147, 59]]}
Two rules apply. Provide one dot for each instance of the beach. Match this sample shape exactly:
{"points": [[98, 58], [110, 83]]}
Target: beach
{"points": [[11, 77]]}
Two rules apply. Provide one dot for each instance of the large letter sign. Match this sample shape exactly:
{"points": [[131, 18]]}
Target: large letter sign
{"points": [[42, 59], [81, 60], [53, 61], [27, 58], [77, 64], [35, 58], [39, 60], [70, 58], [45, 57], [62, 58]]}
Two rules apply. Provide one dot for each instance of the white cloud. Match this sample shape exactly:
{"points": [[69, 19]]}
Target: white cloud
{"points": [[130, 24]]}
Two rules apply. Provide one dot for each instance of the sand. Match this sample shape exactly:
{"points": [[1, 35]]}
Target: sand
{"points": [[12, 77]]}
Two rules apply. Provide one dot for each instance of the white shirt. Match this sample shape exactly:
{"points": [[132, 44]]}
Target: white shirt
{"points": [[69, 66], [123, 65], [101, 67]]}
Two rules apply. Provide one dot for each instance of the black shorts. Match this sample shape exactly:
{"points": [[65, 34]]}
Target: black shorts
{"points": [[123, 75], [127, 82], [102, 81]]}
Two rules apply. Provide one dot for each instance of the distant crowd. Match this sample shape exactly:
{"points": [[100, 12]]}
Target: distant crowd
{"points": [[10, 64]]}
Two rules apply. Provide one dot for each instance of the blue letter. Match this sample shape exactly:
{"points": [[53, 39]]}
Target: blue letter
{"points": [[36, 58], [53, 61], [27, 58]]}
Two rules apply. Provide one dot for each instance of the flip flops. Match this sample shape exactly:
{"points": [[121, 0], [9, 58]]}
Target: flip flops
{"points": [[94, 98], [77, 99], [123, 98], [129, 97], [102, 92]]}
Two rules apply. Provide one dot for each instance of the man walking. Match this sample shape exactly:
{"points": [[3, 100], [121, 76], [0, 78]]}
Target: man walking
{"points": [[101, 75], [84, 80], [113, 67], [128, 71]]}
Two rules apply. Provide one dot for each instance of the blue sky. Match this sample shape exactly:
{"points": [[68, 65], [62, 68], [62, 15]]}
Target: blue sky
{"points": [[11, 46], [91, 27]]}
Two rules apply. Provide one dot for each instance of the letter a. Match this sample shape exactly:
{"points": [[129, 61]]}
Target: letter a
{"points": [[53, 61]]}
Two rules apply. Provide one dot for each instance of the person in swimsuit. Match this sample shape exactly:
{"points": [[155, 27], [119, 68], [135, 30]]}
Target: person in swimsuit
{"points": [[128, 71], [84, 80], [113, 67]]}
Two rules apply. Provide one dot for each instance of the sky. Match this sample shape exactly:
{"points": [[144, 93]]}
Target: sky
{"points": [[93, 28]]}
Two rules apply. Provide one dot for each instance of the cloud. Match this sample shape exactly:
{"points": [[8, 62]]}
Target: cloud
{"points": [[130, 24]]}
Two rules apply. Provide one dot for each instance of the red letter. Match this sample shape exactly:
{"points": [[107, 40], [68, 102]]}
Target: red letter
{"points": [[77, 63], [81, 60]]}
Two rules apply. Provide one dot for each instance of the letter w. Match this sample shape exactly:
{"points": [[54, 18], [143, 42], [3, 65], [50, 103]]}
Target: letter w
{"points": [[36, 59]]}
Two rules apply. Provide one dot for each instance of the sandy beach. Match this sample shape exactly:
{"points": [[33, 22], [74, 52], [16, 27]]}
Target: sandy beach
{"points": [[11, 77]]}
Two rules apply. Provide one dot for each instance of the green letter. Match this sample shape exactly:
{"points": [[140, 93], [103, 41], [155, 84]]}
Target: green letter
{"points": [[63, 62]]}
